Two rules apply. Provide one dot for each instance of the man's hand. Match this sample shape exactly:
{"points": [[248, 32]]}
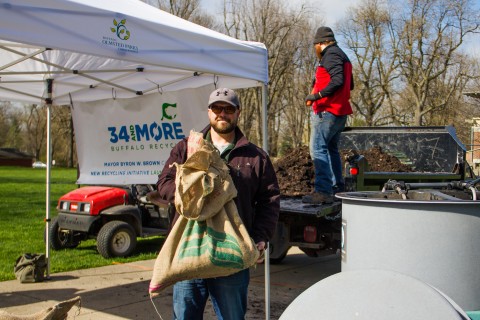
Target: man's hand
{"points": [[261, 248], [313, 97]]}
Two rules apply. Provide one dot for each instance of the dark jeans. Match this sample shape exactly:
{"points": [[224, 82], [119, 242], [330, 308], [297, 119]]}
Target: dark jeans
{"points": [[228, 295], [326, 130]]}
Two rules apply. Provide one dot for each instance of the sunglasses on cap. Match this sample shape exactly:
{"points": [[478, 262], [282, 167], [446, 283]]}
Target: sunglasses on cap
{"points": [[218, 109]]}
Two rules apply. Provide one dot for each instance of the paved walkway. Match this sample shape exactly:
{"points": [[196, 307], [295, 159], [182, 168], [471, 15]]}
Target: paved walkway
{"points": [[121, 291]]}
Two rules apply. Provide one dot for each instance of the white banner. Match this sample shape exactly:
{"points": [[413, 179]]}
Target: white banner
{"points": [[127, 141]]}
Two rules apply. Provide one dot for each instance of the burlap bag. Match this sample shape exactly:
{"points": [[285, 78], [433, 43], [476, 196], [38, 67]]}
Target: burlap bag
{"points": [[195, 142], [57, 312], [203, 184], [209, 239]]}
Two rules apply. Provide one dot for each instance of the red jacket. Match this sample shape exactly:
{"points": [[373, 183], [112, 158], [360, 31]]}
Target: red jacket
{"points": [[333, 80], [258, 198]]}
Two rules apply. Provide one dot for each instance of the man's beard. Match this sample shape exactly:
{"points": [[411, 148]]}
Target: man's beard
{"points": [[223, 128]]}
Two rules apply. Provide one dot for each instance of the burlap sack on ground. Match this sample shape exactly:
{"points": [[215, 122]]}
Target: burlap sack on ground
{"points": [[57, 312], [209, 239]]}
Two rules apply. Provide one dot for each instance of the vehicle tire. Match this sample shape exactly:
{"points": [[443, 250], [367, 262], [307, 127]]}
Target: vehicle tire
{"points": [[116, 239], [60, 239], [279, 244], [313, 253], [280, 258]]}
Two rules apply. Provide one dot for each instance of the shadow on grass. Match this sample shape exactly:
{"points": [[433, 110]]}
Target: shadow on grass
{"points": [[145, 246]]}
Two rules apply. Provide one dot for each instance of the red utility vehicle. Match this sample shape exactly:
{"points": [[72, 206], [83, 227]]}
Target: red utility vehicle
{"points": [[114, 215]]}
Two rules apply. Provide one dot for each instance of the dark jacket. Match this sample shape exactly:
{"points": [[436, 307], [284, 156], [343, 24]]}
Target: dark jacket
{"points": [[333, 80], [258, 198]]}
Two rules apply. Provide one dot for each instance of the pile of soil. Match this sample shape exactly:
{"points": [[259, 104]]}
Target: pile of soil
{"points": [[295, 170], [381, 161]]}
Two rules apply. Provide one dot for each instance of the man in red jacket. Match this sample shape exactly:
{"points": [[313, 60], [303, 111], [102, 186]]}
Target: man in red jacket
{"points": [[330, 99]]}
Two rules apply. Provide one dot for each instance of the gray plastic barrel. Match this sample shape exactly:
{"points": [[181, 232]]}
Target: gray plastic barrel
{"points": [[435, 241], [372, 295]]}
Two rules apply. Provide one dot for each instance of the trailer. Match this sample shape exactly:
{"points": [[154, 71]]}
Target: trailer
{"points": [[437, 159]]}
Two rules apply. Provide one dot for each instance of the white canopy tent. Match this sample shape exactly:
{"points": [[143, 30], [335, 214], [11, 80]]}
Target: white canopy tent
{"points": [[89, 47], [59, 51]]}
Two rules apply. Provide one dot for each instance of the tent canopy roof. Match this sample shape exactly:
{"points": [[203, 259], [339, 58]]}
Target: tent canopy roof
{"points": [[95, 50]]}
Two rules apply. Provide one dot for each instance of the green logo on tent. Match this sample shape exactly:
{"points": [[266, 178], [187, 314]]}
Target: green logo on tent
{"points": [[120, 29], [165, 115]]}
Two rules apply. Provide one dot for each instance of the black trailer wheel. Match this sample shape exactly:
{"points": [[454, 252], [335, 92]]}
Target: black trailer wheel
{"points": [[279, 259], [279, 244], [116, 239], [60, 238]]}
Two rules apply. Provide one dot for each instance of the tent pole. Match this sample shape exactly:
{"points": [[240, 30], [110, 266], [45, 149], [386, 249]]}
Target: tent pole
{"points": [[267, 281], [267, 249], [264, 117], [48, 104]]}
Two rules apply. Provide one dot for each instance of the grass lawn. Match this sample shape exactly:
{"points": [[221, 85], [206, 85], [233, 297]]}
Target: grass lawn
{"points": [[22, 214]]}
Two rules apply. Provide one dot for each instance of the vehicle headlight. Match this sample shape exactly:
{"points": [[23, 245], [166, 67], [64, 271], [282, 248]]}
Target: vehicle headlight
{"points": [[86, 207], [64, 205]]}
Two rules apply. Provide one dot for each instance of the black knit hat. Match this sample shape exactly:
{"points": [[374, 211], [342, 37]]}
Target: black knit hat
{"points": [[323, 34]]}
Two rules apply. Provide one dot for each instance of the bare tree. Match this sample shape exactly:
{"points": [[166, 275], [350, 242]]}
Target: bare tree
{"points": [[36, 128], [371, 37], [468, 109], [407, 64], [431, 33], [16, 136], [11, 127], [295, 114], [284, 32], [25, 129], [4, 122], [63, 140], [459, 109], [186, 9]]}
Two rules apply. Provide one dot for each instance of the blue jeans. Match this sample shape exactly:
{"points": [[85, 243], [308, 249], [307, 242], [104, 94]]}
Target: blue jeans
{"points": [[326, 130], [228, 295]]}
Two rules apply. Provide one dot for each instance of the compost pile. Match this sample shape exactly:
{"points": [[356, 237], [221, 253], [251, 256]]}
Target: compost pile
{"points": [[295, 170], [381, 161]]}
